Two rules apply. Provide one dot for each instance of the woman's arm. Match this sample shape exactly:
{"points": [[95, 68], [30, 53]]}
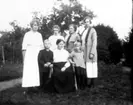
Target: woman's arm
{"points": [[67, 64], [40, 41], [70, 59], [24, 45], [94, 43], [23, 54]]}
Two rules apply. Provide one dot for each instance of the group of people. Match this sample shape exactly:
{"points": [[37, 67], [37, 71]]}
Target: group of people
{"points": [[60, 63]]}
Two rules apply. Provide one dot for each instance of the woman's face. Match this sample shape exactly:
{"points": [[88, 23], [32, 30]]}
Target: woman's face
{"points": [[56, 31], [87, 22], [35, 26], [61, 45], [71, 29]]}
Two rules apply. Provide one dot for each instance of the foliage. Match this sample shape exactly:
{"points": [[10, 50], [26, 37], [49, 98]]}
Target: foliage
{"points": [[11, 42], [109, 46], [116, 52], [63, 15], [127, 47]]}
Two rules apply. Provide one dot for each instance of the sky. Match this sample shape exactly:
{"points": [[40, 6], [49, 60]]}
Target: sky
{"points": [[115, 13]]}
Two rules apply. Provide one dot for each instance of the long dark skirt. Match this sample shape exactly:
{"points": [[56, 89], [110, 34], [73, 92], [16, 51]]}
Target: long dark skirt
{"points": [[81, 77], [63, 81]]}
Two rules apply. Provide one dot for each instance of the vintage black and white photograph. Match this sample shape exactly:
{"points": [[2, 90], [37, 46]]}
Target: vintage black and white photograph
{"points": [[66, 52]]}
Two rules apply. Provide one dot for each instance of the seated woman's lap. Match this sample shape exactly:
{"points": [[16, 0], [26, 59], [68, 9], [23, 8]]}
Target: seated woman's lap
{"points": [[63, 80]]}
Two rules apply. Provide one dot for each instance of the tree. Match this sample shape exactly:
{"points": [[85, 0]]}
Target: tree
{"points": [[127, 46], [109, 46], [64, 15], [11, 42]]}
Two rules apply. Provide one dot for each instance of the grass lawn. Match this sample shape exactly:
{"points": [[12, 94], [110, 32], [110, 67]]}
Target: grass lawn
{"points": [[112, 88], [10, 71]]}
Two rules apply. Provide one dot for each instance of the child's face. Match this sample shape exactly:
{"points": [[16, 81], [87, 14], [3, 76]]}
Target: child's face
{"points": [[47, 44], [78, 45]]}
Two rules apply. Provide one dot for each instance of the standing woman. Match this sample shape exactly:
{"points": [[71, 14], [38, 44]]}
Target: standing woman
{"points": [[71, 38], [63, 78], [32, 44], [53, 38], [89, 44]]}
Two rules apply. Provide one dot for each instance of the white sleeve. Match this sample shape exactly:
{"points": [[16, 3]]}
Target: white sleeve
{"points": [[25, 42], [41, 42], [67, 64]]}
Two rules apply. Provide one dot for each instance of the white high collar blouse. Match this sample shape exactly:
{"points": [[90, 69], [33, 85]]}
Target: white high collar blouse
{"points": [[61, 56], [53, 40]]}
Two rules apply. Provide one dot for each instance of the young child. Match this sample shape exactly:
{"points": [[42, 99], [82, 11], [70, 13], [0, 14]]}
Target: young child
{"points": [[78, 58], [45, 59]]}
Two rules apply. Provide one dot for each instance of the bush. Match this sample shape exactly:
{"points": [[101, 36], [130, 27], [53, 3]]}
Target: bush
{"points": [[103, 55], [109, 46]]}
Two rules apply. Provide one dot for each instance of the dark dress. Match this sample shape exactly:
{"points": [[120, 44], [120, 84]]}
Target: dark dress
{"points": [[63, 81], [44, 57]]}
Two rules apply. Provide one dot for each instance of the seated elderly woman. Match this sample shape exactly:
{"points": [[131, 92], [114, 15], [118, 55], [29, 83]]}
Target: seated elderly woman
{"points": [[63, 77]]}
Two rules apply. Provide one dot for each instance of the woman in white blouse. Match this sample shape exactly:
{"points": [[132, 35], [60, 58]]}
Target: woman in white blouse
{"points": [[53, 38], [63, 77], [32, 44]]}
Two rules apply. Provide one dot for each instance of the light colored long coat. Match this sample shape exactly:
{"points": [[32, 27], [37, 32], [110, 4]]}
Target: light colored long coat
{"points": [[90, 48]]}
